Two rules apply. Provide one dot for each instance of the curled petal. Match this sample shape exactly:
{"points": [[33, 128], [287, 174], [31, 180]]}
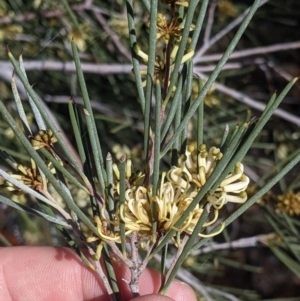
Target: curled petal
{"points": [[130, 204], [241, 198], [190, 53], [202, 176], [216, 212], [215, 233], [175, 176], [236, 175], [237, 187], [211, 159], [217, 202], [141, 53], [189, 163], [142, 214], [162, 209]]}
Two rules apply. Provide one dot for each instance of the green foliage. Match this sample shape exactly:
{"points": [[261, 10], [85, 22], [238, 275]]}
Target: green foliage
{"points": [[170, 189]]}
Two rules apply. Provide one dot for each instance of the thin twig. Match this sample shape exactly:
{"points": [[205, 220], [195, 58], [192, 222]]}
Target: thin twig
{"points": [[69, 67], [127, 68], [118, 253], [147, 258], [55, 205], [253, 103], [287, 76], [210, 21], [240, 243], [179, 251], [31, 16], [99, 271], [108, 110], [266, 70], [250, 52], [223, 294], [55, 13], [119, 46], [120, 68], [223, 32], [190, 279], [135, 266], [52, 65]]}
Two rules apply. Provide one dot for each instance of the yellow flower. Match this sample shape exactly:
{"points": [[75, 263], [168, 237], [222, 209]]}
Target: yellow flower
{"points": [[196, 169], [80, 36], [142, 208], [171, 204], [159, 64], [232, 188], [43, 139], [137, 213], [27, 176], [170, 28], [289, 203]]}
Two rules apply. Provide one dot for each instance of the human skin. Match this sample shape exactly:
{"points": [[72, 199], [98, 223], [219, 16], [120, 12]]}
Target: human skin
{"points": [[57, 274]]}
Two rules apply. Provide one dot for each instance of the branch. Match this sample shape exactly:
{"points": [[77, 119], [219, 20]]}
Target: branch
{"points": [[240, 243], [253, 103], [55, 13], [115, 39], [250, 52], [223, 32]]}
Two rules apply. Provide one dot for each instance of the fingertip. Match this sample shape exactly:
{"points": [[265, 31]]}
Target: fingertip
{"points": [[181, 291], [152, 297], [150, 282]]}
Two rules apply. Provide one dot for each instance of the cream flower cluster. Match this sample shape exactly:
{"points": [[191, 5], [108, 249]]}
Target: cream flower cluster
{"points": [[171, 204], [137, 213], [194, 169], [178, 188]]}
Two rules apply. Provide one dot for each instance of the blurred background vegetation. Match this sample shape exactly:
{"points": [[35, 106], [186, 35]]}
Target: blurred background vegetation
{"points": [[258, 256]]}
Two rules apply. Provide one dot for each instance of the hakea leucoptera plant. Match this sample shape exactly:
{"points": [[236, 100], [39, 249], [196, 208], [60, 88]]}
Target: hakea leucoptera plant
{"points": [[178, 188], [140, 210]]}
